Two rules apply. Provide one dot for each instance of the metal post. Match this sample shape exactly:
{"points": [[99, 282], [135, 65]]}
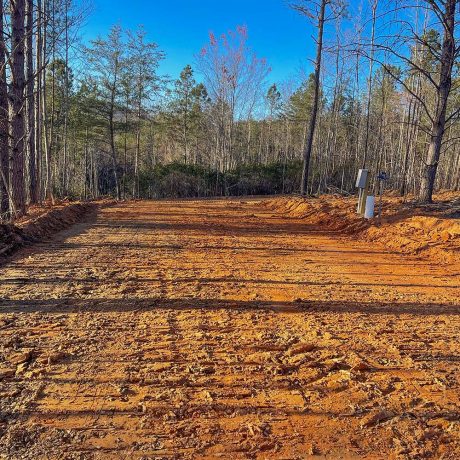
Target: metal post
{"points": [[362, 184]]}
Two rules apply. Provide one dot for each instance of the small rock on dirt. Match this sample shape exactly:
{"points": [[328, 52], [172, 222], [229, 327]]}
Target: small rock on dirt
{"points": [[376, 418], [301, 348], [6, 373], [361, 367], [21, 357]]}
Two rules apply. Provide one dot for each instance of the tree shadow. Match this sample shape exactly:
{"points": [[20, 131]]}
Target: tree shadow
{"points": [[223, 280], [121, 305]]}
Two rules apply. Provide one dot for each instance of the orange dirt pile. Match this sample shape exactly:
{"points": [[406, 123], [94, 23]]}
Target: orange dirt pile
{"points": [[221, 329], [39, 223], [432, 230]]}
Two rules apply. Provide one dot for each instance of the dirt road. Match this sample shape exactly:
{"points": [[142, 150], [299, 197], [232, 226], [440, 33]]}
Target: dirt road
{"points": [[216, 329]]}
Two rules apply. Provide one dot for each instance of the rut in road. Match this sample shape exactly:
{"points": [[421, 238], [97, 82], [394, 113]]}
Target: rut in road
{"points": [[204, 329]]}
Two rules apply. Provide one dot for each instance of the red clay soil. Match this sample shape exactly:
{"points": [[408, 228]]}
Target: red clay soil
{"points": [[41, 222], [223, 329], [432, 230]]}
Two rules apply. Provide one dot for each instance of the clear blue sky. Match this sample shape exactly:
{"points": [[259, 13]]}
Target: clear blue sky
{"points": [[181, 28]]}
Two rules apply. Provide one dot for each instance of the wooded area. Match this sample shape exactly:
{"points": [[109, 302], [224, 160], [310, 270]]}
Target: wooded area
{"points": [[82, 121]]}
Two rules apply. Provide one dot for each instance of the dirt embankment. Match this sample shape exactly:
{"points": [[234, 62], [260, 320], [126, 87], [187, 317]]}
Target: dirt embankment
{"points": [[431, 230], [40, 223]]}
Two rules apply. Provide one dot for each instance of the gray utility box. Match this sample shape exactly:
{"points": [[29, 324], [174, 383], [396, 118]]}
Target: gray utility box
{"points": [[362, 178]]}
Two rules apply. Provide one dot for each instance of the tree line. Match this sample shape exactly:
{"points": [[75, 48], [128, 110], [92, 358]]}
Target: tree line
{"points": [[82, 121]]}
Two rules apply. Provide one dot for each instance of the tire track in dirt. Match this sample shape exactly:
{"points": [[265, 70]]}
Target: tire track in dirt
{"points": [[214, 328]]}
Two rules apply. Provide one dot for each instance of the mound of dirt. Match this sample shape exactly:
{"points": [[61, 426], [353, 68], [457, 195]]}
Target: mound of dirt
{"points": [[406, 227], [40, 222]]}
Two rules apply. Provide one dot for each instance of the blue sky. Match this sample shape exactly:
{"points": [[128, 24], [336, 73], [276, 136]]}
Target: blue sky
{"points": [[181, 28]]}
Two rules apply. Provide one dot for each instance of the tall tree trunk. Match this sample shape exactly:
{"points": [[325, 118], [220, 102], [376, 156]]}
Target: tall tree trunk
{"points": [[37, 100], [65, 174], [369, 87], [16, 98], [442, 97], [52, 144], [86, 186], [114, 156], [48, 189], [125, 150], [314, 111], [112, 138], [138, 147], [4, 159], [185, 128], [30, 103], [136, 163], [405, 165]]}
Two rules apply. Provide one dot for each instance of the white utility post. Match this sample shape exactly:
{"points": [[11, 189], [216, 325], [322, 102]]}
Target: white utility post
{"points": [[362, 183]]}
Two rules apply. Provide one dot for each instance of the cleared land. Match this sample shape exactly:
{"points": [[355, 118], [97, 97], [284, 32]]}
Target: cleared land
{"points": [[207, 329]]}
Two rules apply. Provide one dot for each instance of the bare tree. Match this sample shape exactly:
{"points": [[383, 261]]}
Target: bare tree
{"points": [[369, 83], [317, 12], [438, 75], [233, 76], [445, 10]]}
